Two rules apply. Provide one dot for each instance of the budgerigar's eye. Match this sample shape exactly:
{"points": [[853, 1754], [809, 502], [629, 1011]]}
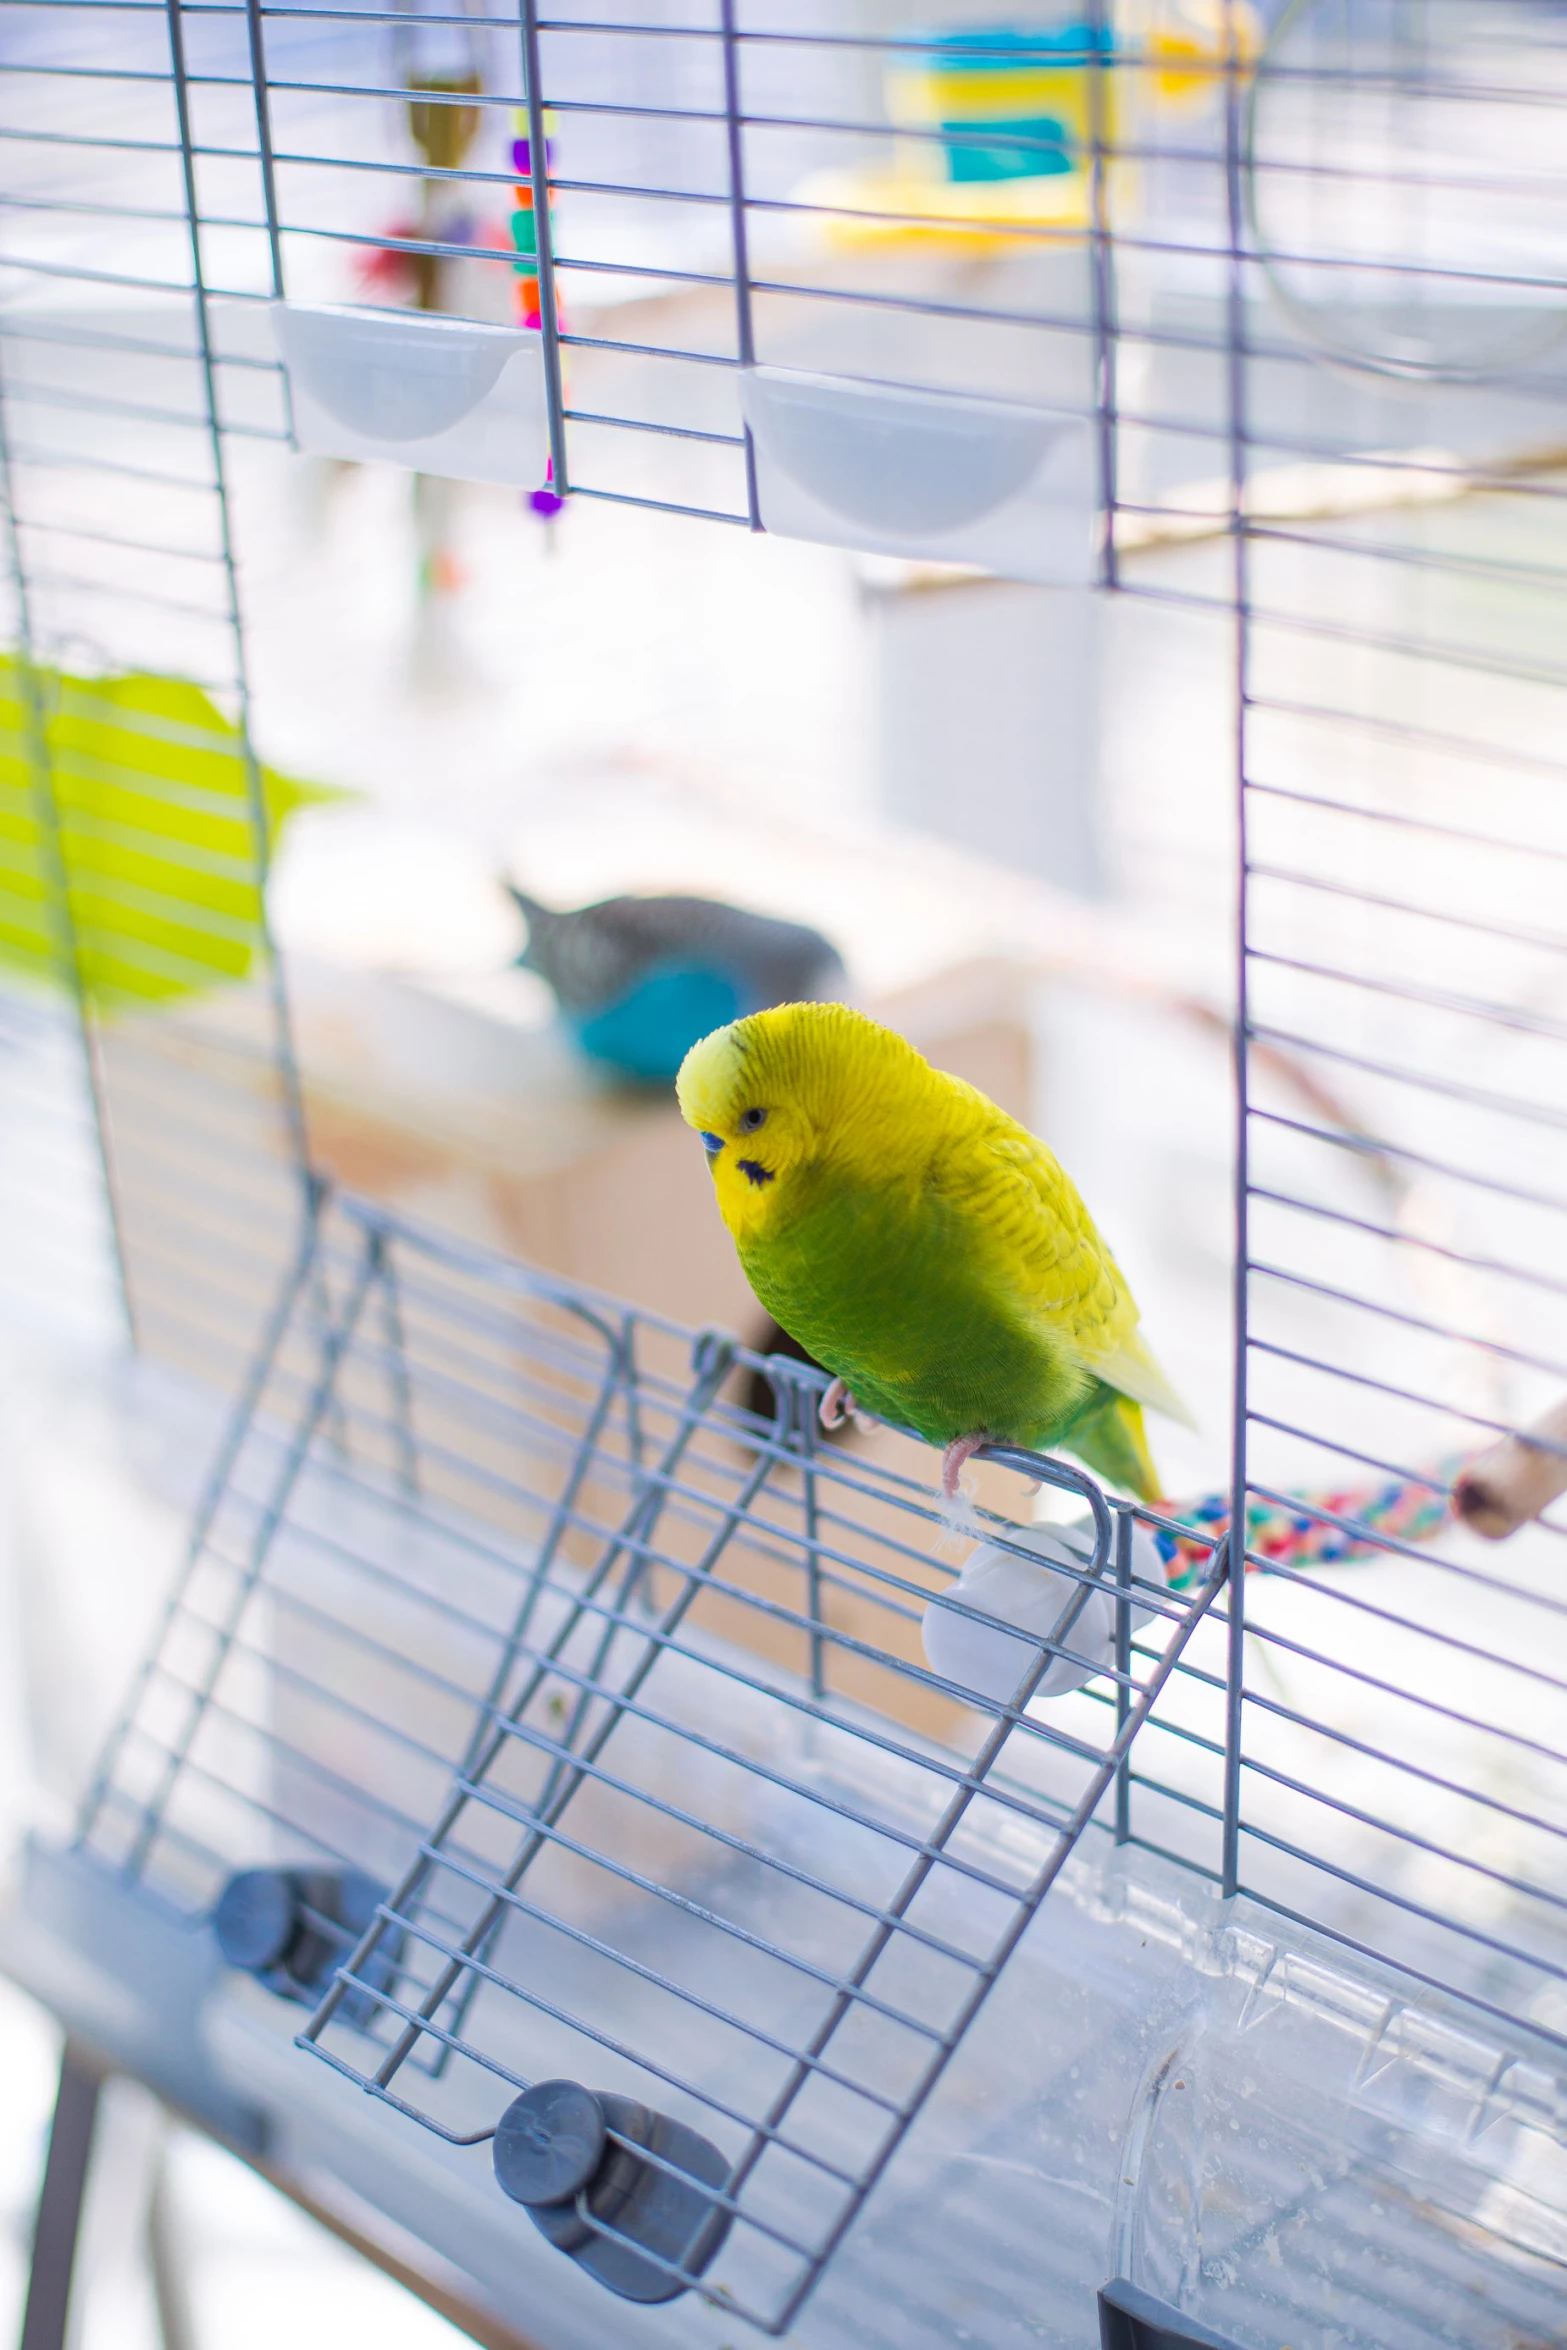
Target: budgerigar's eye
{"points": [[751, 1119]]}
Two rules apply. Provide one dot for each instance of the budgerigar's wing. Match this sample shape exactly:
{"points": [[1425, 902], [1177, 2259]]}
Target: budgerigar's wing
{"points": [[1042, 1239], [1135, 1370]]}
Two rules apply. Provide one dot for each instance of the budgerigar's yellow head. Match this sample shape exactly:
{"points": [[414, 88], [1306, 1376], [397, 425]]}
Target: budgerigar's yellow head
{"points": [[785, 1093]]}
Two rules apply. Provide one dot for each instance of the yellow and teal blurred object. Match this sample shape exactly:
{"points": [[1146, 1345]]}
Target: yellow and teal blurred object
{"points": [[132, 795], [1005, 102], [1002, 121]]}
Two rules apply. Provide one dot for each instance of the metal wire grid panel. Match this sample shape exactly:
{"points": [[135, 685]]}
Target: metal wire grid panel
{"points": [[1394, 1760], [618, 1689], [56, 1254], [135, 817], [731, 191]]}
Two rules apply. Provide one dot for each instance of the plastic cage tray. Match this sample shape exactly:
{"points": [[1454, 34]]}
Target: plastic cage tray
{"points": [[559, 1722]]}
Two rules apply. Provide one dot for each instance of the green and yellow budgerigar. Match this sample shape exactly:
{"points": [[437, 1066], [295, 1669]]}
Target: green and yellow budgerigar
{"points": [[921, 1244]]}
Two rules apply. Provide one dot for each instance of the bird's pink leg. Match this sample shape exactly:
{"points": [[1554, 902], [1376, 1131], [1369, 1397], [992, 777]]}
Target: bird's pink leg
{"points": [[957, 1453], [835, 1406]]}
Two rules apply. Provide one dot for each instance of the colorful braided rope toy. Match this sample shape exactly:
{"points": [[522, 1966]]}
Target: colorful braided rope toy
{"points": [[1315, 1528]]}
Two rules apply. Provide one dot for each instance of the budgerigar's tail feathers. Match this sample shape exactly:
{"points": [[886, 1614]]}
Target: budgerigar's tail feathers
{"points": [[1131, 1367], [1108, 1438]]}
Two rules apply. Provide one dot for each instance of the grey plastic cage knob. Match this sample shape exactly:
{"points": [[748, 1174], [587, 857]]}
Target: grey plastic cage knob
{"points": [[293, 1928], [256, 1918], [1130, 2319], [559, 2147]]}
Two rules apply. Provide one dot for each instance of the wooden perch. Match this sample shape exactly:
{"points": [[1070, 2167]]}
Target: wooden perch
{"points": [[1516, 1479]]}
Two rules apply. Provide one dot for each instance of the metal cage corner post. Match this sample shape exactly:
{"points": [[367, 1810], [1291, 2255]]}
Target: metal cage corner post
{"points": [[293, 1096], [1239, 464], [734, 126]]}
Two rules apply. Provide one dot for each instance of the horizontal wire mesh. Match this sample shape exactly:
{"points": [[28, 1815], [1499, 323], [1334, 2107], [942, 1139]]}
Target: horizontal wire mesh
{"points": [[1394, 1769], [135, 820]]}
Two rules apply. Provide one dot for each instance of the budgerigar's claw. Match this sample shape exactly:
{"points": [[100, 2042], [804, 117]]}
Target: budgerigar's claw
{"points": [[838, 1405], [953, 1459]]}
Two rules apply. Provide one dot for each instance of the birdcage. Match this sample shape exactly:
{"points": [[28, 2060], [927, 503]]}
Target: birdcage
{"points": [[568, 1805]]}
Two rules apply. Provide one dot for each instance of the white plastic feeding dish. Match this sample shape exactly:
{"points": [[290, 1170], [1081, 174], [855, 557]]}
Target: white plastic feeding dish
{"points": [[440, 395], [932, 474], [1022, 1602]]}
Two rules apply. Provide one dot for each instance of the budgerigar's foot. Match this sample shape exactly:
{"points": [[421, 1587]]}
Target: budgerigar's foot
{"points": [[961, 1450], [838, 1405], [835, 1406]]}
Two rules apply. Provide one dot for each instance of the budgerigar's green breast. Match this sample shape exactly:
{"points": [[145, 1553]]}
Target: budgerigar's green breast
{"points": [[898, 1294]]}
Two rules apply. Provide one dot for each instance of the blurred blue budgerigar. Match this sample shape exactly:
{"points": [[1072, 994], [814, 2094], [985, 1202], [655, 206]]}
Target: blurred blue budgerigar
{"points": [[639, 979]]}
